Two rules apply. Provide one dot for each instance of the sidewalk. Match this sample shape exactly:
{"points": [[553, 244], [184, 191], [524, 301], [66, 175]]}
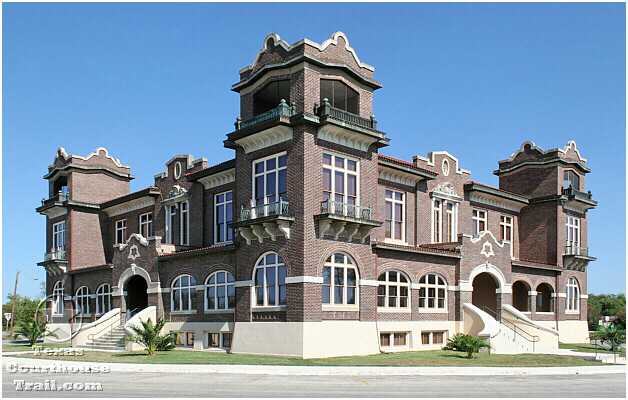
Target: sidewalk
{"points": [[323, 371]]}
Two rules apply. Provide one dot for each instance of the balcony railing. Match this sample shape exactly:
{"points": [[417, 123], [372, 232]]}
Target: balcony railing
{"points": [[282, 109], [55, 255], [60, 197], [576, 251], [327, 110], [265, 210], [578, 195], [345, 210]]}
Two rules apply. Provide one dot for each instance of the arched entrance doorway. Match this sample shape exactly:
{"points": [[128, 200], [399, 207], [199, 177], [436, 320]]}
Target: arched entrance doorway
{"points": [[136, 294], [484, 286], [543, 298], [520, 296]]}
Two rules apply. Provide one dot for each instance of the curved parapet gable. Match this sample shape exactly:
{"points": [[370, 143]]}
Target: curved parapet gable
{"points": [[531, 154], [101, 154]]}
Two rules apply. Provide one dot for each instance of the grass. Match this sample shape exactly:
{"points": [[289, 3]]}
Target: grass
{"points": [[404, 359], [27, 346], [589, 348]]}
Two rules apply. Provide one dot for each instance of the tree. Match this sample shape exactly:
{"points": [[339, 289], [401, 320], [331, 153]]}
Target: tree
{"points": [[148, 335], [606, 305], [26, 310], [467, 343], [32, 330]]}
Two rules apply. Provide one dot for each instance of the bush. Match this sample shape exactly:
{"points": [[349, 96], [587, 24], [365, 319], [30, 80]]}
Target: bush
{"points": [[32, 330], [466, 343], [611, 337]]}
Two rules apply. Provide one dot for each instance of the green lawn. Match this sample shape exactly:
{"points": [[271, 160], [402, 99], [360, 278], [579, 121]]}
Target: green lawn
{"points": [[27, 347], [588, 348], [406, 359]]}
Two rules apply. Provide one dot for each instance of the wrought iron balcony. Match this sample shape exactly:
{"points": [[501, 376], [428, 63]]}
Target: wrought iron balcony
{"points": [[347, 210], [265, 210], [578, 195], [345, 220], [283, 109], [55, 256], [327, 110], [264, 221], [59, 198], [576, 258]]}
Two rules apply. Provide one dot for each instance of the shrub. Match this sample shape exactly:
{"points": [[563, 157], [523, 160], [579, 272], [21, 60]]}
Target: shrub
{"points": [[32, 330]]}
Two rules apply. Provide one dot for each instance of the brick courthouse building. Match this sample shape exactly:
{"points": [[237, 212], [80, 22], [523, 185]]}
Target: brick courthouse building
{"points": [[310, 242]]}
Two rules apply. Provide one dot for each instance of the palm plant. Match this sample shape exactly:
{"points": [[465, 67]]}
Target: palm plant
{"points": [[467, 343], [148, 336], [612, 336], [33, 331]]}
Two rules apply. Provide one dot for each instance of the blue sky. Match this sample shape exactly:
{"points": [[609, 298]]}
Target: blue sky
{"points": [[148, 81]]}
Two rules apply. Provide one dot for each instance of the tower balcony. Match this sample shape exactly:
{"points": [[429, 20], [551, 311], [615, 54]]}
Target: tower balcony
{"points": [[264, 221], [339, 219], [576, 258], [55, 261], [576, 200]]}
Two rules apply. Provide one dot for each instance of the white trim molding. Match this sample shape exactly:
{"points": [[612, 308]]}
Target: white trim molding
{"points": [[243, 283], [495, 201], [559, 295], [131, 205], [55, 212], [304, 279], [397, 176], [368, 282], [345, 137], [218, 179], [266, 138]]}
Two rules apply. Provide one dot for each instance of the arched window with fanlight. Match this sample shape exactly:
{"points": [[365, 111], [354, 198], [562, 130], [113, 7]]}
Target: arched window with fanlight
{"points": [[103, 299], [269, 278], [393, 291], [220, 291], [573, 295], [57, 298], [340, 281], [183, 295], [82, 300], [432, 293]]}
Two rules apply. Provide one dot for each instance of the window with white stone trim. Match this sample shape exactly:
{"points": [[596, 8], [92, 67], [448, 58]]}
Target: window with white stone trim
{"points": [[573, 295], [432, 292], [103, 299], [340, 281], [183, 294], [220, 291], [269, 278], [393, 291], [57, 298], [82, 300]]}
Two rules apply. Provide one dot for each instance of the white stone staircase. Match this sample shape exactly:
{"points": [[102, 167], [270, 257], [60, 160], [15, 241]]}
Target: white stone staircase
{"points": [[109, 341]]}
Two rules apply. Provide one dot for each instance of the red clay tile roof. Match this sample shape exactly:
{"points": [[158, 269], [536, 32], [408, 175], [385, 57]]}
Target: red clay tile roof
{"points": [[206, 168], [193, 250], [535, 263], [408, 163], [494, 188], [132, 193], [421, 248]]}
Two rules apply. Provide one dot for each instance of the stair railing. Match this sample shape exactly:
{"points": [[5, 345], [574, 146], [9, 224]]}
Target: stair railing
{"points": [[110, 327], [531, 338], [494, 314]]}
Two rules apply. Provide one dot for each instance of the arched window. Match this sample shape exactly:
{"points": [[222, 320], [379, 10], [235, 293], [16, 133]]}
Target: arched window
{"points": [[82, 300], [393, 290], [432, 292], [57, 298], [340, 281], [183, 297], [220, 291], [573, 295], [270, 281], [103, 299]]}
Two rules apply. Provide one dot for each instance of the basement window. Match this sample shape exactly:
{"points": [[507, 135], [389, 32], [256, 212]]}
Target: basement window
{"points": [[393, 339]]}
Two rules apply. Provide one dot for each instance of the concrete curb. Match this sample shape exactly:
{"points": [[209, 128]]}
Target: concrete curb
{"points": [[322, 371]]}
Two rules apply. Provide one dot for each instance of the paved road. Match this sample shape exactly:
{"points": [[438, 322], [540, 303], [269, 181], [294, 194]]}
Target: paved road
{"points": [[151, 384]]}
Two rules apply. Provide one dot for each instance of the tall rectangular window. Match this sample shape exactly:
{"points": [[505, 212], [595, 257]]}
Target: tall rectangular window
{"points": [[146, 225], [479, 221], [58, 236], [270, 181], [393, 222], [573, 232], [121, 231], [171, 212], [222, 217], [185, 223], [444, 214], [340, 183], [505, 228]]}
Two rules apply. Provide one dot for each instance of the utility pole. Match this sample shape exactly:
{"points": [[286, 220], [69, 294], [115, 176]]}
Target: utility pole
{"points": [[14, 294]]}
